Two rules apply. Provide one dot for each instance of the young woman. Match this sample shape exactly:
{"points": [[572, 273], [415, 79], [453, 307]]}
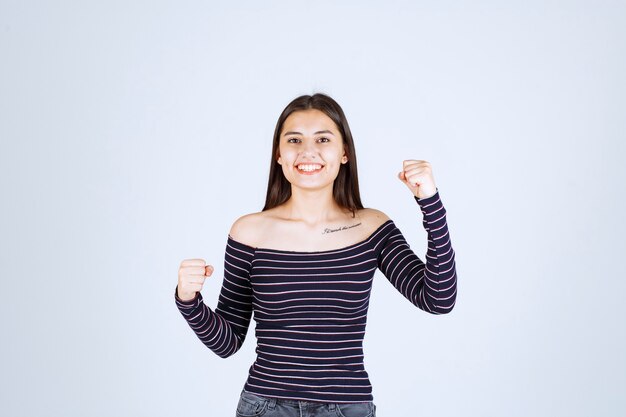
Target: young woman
{"points": [[305, 266]]}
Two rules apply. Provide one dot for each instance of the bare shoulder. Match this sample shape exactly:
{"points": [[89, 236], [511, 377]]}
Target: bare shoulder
{"points": [[266, 229], [247, 227], [373, 217]]}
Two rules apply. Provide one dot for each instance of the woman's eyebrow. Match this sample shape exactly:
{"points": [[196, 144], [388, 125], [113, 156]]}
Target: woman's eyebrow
{"points": [[316, 133]]}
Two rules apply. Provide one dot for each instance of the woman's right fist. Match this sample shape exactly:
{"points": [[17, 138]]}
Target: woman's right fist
{"points": [[191, 276]]}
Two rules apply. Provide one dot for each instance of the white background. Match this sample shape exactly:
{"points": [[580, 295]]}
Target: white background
{"points": [[135, 133]]}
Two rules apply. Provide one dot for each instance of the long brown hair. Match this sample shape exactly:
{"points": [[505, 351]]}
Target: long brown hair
{"points": [[346, 185]]}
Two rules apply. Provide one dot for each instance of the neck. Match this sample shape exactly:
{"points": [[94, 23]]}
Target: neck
{"points": [[312, 207]]}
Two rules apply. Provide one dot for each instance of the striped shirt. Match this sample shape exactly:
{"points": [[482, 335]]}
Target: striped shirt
{"points": [[310, 308]]}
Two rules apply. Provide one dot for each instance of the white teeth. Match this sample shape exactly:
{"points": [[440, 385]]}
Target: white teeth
{"points": [[309, 167]]}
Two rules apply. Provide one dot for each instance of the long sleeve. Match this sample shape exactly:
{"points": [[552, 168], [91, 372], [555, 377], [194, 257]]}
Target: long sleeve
{"points": [[431, 286], [224, 330]]}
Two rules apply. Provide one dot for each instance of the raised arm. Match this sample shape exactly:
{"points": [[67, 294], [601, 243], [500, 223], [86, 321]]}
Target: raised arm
{"points": [[431, 286], [224, 330]]}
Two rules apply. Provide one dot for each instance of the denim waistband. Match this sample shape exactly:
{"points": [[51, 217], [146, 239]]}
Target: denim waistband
{"points": [[290, 402]]}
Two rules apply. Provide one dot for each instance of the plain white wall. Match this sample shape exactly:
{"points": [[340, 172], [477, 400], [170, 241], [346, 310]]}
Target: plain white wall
{"points": [[135, 133]]}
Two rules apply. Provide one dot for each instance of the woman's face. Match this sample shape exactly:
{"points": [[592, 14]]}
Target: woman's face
{"points": [[311, 149]]}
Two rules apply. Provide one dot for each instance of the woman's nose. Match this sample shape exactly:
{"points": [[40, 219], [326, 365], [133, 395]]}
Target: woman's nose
{"points": [[309, 150]]}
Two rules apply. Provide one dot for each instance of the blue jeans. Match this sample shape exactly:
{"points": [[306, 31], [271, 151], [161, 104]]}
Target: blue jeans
{"points": [[253, 405]]}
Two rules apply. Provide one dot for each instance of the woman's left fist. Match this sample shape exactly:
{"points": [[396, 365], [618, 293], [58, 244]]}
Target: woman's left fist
{"points": [[418, 176]]}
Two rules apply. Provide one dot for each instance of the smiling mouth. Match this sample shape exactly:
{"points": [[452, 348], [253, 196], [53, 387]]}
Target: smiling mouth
{"points": [[309, 169]]}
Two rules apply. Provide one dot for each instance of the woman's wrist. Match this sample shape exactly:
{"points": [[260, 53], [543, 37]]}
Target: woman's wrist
{"points": [[186, 297], [424, 195]]}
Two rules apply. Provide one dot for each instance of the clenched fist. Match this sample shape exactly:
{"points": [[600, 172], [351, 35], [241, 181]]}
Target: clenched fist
{"points": [[191, 276], [418, 176]]}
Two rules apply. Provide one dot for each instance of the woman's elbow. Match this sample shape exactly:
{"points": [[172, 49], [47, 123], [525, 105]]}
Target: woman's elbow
{"points": [[445, 305], [224, 354], [444, 309]]}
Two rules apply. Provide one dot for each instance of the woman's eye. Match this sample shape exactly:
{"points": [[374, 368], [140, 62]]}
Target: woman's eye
{"points": [[295, 140]]}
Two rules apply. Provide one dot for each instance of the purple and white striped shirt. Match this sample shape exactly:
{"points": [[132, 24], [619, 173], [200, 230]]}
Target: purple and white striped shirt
{"points": [[311, 308]]}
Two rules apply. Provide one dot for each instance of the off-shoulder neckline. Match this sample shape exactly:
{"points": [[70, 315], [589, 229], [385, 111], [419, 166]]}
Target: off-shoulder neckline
{"points": [[230, 238]]}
